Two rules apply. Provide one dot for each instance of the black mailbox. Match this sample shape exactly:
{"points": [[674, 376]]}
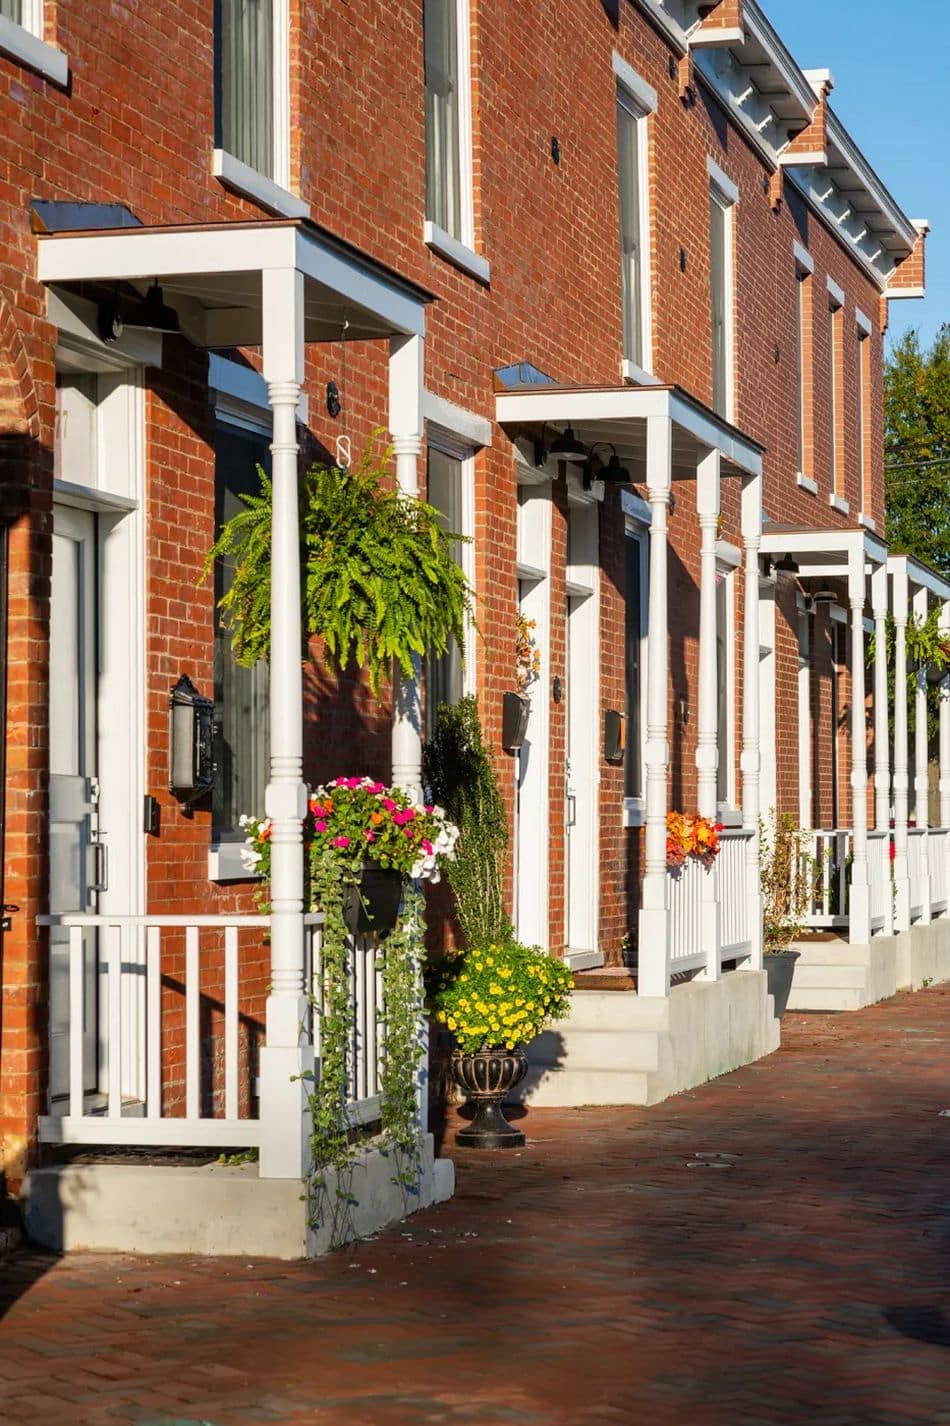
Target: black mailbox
{"points": [[190, 742], [615, 735]]}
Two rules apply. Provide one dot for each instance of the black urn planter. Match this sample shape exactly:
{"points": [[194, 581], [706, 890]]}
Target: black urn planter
{"points": [[780, 968], [372, 904], [487, 1076]]}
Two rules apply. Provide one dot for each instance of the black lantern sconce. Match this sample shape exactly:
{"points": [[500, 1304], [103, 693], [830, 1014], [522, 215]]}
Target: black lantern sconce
{"points": [[152, 314], [613, 473], [190, 743], [786, 565], [565, 447]]}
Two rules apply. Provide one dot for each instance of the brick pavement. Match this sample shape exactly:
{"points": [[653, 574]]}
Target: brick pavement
{"points": [[771, 1248]]}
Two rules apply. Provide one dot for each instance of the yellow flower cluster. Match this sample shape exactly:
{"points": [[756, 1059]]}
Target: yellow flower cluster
{"points": [[500, 995]]}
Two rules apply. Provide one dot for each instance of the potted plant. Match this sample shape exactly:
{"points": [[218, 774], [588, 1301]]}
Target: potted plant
{"points": [[786, 876], [493, 999]]}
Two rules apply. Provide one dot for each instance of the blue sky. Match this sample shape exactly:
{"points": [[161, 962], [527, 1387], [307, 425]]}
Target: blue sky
{"points": [[891, 94]]}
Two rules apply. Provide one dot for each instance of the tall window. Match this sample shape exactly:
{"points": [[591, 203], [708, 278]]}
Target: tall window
{"points": [[241, 726], [635, 634], [721, 285], [631, 131], [13, 10], [725, 674], [804, 373], [444, 116], [449, 490], [864, 416], [245, 64], [836, 392]]}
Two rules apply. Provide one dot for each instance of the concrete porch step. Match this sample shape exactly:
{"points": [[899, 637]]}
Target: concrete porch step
{"points": [[830, 998], [574, 1087], [813, 975], [606, 1010], [637, 1050]]}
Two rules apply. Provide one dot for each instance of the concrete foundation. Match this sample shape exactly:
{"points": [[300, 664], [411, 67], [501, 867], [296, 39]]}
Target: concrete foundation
{"points": [[629, 1049], [835, 975], [218, 1209]]}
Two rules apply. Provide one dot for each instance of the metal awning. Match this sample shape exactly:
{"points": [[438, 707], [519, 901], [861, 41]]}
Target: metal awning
{"points": [[211, 274], [618, 416]]}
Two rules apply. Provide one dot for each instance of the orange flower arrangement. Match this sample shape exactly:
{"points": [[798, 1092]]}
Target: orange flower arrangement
{"points": [[689, 835]]}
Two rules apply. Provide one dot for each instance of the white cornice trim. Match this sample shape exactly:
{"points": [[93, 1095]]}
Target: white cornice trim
{"points": [[671, 28], [862, 170]]}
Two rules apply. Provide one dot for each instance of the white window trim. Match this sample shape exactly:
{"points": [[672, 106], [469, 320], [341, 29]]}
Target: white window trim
{"points": [[637, 519], [459, 254], [251, 184], [640, 100], [461, 251], [835, 293], [448, 443], [803, 259], [470, 428], [721, 180], [727, 809], [804, 269], [805, 482], [862, 322], [25, 44], [838, 502], [728, 205]]}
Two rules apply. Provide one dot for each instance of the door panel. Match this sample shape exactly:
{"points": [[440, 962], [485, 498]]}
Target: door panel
{"points": [[73, 785]]}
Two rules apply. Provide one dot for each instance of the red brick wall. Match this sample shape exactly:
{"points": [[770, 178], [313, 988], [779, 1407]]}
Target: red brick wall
{"points": [[136, 127]]}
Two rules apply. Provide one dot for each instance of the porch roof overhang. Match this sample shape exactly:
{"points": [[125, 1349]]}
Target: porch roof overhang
{"points": [[212, 275], [618, 416], [824, 553], [920, 575]]}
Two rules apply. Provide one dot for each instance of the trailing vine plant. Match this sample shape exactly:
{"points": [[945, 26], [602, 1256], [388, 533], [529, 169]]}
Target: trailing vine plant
{"points": [[381, 584], [928, 646]]}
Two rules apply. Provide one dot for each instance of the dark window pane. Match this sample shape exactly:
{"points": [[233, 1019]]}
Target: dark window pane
{"points": [[444, 675], [245, 74], [443, 186], [634, 637], [628, 154]]}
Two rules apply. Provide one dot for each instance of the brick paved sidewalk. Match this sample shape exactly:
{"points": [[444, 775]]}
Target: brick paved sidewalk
{"points": [[772, 1248]]}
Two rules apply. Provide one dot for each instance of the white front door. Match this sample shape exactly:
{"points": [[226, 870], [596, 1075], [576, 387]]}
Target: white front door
{"points": [[76, 858], [583, 746]]}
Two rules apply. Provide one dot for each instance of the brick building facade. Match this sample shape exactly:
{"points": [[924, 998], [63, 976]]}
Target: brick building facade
{"points": [[518, 244]]}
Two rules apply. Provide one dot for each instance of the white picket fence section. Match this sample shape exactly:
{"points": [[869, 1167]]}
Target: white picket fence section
{"points": [[686, 889], [735, 926], [828, 850], [917, 869], [938, 850], [879, 876], [133, 953]]}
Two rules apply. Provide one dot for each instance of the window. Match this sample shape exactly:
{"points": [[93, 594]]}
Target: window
{"points": [[721, 284], [450, 490], [864, 416], [252, 101], [241, 723], [725, 676], [634, 291], [635, 645], [836, 395], [805, 424], [450, 211], [21, 36]]}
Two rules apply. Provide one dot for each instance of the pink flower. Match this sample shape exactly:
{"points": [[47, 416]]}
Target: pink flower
{"points": [[389, 804], [341, 841], [353, 781], [377, 786], [320, 826], [427, 848], [407, 832], [429, 807], [370, 836]]}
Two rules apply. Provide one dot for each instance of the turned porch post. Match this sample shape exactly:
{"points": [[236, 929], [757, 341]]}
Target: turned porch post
{"points": [[653, 929], [901, 870], [882, 739], [751, 757], [406, 357], [922, 765], [284, 1058], [859, 915], [944, 783], [707, 738]]}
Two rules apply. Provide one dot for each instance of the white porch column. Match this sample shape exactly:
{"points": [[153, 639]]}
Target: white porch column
{"points": [[707, 733], [284, 1136], [901, 872], [751, 757], [921, 762], [654, 929], [859, 917], [944, 784], [882, 739], [406, 359]]}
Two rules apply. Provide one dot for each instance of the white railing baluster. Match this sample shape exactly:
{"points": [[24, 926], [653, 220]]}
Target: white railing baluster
{"points": [[231, 1022], [362, 1054], [192, 1025], [114, 963], [153, 1019], [372, 1079], [77, 1019]]}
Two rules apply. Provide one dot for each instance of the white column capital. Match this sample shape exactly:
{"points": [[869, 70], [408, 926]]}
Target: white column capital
{"points": [[407, 445]]}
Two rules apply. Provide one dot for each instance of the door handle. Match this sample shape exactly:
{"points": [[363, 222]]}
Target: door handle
{"points": [[571, 809], [100, 881]]}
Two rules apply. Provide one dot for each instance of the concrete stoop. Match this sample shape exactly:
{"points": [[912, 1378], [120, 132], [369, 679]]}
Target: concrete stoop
{"points": [[836, 975], [631, 1049], [219, 1210]]}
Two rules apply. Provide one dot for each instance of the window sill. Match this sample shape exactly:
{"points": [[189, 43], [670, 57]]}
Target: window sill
{"points": [[224, 863], [459, 254], [806, 483], [33, 52], [634, 813], [730, 817], [637, 374], [867, 522], [251, 184], [836, 503]]}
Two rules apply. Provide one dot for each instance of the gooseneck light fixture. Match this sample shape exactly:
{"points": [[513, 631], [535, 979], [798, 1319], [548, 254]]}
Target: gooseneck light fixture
{"points": [[613, 473]]}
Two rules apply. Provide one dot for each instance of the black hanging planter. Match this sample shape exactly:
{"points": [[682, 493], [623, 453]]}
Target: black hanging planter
{"points": [[487, 1077], [372, 904], [515, 708]]}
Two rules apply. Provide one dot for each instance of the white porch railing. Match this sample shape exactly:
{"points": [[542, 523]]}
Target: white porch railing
{"points": [[828, 850], [879, 876], [686, 891], [165, 1077], [735, 928], [917, 869], [938, 850]]}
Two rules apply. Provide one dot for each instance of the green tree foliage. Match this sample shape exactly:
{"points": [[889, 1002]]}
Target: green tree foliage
{"points": [[462, 778], [380, 581], [917, 430]]}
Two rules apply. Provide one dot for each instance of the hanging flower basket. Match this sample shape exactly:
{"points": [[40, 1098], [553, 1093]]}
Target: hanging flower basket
{"points": [[371, 905], [690, 836]]}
